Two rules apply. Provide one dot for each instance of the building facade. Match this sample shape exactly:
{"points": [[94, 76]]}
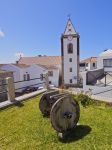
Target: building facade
{"points": [[88, 64], [104, 60], [70, 55]]}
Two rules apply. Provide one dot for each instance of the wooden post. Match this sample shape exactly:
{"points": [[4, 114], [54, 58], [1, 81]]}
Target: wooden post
{"points": [[105, 79], [10, 89], [46, 81]]}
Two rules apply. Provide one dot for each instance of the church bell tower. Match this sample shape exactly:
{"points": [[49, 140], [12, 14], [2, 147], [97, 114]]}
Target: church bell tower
{"points": [[70, 55]]}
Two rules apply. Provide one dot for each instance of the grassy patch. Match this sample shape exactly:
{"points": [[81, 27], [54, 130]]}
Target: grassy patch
{"points": [[23, 127]]}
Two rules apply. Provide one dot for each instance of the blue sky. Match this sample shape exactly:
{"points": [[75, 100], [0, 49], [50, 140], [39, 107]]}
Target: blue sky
{"points": [[34, 27]]}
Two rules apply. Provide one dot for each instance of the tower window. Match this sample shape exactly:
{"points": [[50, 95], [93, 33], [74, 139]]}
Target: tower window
{"points": [[70, 69], [70, 80], [70, 48], [70, 59], [50, 82]]}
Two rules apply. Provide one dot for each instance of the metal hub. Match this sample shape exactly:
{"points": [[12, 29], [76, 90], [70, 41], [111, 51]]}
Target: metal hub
{"points": [[67, 115]]}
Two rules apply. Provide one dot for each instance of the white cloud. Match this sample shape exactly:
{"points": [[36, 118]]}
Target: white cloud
{"points": [[2, 34], [19, 54]]}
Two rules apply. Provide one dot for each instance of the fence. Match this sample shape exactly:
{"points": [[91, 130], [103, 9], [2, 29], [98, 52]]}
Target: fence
{"points": [[11, 88]]}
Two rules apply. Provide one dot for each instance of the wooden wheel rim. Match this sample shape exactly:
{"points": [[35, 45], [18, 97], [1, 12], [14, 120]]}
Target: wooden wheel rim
{"points": [[65, 114]]}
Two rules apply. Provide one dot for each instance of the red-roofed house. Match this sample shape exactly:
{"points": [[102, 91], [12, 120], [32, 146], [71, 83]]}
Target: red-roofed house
{"points": [[88, 64]]}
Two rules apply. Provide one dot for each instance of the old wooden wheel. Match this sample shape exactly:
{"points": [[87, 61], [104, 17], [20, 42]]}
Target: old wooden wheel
{"points": [[65, 114], [45, 103]]}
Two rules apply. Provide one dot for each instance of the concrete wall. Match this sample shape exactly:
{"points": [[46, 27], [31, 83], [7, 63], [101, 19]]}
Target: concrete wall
{"points": [[92, 76], [102, 91]]}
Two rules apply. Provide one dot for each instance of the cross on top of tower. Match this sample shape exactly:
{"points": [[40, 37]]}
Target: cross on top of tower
{"points": [[69, 16]]}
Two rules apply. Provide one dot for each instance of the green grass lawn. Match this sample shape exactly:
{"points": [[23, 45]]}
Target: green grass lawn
{"points": [[24, 128]]}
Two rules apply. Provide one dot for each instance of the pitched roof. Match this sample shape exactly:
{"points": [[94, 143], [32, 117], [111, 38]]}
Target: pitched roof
{"points": [[107, 52], [18, 65], [42, 60], [91, 59], [48, 67], [21, 65], [69, 30]]}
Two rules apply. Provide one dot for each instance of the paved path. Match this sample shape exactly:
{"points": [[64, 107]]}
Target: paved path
{"points": [[21, 98]]}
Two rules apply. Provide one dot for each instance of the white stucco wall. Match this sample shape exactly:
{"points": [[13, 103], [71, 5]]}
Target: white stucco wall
{"points": [[100, 63], [16, 73], [67, 74], [34, 71], [55, 78]]}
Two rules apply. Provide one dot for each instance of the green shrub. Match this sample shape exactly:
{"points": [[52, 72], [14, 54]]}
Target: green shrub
{"points": [[85, 100]]}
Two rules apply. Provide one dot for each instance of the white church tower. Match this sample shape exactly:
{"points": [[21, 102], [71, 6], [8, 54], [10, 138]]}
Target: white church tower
{"points": [[70, 55]]}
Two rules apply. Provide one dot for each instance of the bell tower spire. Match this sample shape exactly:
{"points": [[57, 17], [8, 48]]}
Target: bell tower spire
{"points": [[70, 55]]}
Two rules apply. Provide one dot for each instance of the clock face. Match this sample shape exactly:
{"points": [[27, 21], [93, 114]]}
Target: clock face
{"points": [[70, 37]]}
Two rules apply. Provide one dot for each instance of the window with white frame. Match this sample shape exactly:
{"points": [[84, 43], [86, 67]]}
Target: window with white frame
{"points": [[107, 62]]}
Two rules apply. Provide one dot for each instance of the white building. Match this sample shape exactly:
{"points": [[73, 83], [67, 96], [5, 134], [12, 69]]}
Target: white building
{"points": [[88, 64], [70, 55], [22, 72], [51, 64], [26, 73], [105, 60], [53, 73]]}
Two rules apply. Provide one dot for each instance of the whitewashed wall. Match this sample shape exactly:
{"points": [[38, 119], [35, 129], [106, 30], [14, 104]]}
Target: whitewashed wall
{"points": [[34, 71], [55, 78], [100, 63], [67, 74], [16, 73]]}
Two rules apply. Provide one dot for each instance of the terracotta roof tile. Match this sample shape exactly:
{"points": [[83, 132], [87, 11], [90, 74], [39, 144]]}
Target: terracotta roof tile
{"points": [[42, 60], [91, 59], [48, 67]]}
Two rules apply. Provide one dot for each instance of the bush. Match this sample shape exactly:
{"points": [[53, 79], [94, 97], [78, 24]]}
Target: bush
{"points": [[85, 100]]}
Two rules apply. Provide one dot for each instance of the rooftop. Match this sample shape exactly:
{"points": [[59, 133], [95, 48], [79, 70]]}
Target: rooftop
{"points": [[42, 60], [90, 59], [107, 52]]}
